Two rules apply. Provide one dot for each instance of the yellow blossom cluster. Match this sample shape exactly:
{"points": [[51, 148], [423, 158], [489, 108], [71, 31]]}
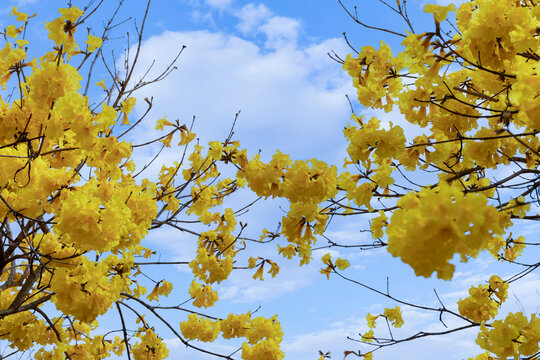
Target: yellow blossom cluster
{"points": [[373, 74], [24, 329], [431, 226], [340, 263], [263, 335], [512, 248], [151, 347], [203, 295], [304, 186], [162, 288], [514, 336], [298, 182], [369, 139], [393, 316], [481, 305]]}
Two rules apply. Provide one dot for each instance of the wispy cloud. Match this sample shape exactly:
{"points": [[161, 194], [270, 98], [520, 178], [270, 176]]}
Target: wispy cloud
{"points": [[251, 17], [293, 95], [334, 339], [219, 4]]}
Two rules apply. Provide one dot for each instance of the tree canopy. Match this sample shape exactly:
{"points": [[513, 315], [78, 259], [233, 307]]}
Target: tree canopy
{"points": [[76, 207]]}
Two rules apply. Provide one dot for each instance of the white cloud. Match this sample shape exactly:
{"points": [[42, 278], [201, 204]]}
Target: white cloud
{"points": [[334, 339], [349, 237], [306, 346], [249, 292], [292, 95], [202, 17], [524, 295], [530, 231], [252, 16], [220, 4], [280, 31], [173, 245]]}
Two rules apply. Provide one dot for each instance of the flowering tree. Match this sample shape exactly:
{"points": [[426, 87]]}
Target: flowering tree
{"points": [[75, 241], [472, 86], [464, 186], [75, 211]]}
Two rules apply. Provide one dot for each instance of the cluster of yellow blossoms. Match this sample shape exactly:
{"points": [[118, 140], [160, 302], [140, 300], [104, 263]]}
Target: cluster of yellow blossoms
{"points": [[480, 306], [514, 336], [263, 335], [305, 187], [449, 223]]}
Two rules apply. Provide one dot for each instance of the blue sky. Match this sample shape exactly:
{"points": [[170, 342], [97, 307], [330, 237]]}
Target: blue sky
{"points": [[269, 60]]}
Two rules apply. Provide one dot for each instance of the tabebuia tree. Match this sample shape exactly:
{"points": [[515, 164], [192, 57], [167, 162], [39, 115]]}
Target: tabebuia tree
{"points": [[469, 183], [75, 211], [76, 207]]}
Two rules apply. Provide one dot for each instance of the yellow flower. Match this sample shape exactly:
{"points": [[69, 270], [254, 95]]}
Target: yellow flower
{"points": [[186, 136], [394, 316], [71, 14], [216, 150], [368, 336], [439, 12], [150, 347], [200, 328], [371, 320], [478, 306], [377, 225], [288, 251], [203, 295], [162, 288], [12, 31], [466, 222], [22, 17], [93, 42], [101, 83], [235, 325], [163, 122], [342, 264], [126, 106]]}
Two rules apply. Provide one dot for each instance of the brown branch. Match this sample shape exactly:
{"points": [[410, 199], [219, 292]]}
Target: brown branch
{"points": [[124, 330], [355, 18], [166, 323], [31, 306]]}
